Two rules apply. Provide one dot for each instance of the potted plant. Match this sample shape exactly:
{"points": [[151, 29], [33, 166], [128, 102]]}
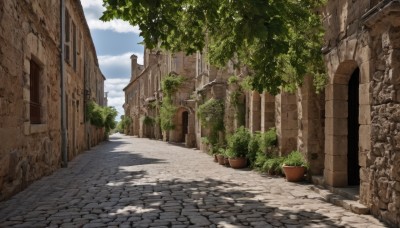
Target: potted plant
{"points": [[238, 148], [221, 158], [294, 166], [273, 166]]}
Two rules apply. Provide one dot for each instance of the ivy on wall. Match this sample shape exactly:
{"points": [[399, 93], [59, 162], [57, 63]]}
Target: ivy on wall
{"points": [[211, 115], [169, 86]]}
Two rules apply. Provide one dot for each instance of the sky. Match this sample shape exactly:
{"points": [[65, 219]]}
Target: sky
{"points": [[115, 42]]}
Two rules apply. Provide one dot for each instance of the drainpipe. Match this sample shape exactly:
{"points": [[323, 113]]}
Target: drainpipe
{"points": [[64, 152]]}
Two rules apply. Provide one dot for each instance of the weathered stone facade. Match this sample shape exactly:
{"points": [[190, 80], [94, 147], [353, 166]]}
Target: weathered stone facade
{"points": [[30, 100], [143, 94], [362, 42]]}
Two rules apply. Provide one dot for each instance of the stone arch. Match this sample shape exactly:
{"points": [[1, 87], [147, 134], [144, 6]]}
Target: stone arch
{"points": [[343, 125]]}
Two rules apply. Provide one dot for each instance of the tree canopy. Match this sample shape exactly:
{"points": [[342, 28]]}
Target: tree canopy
{"points": [[279, 40]]}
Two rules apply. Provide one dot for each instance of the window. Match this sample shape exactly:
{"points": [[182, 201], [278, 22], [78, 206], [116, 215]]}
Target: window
{"points": [[67, 37], [34, 92], [74, 46]]}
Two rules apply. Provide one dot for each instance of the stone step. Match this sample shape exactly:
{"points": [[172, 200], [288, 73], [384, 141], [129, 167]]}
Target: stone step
{"points": [[351, 192], [338, 200]]}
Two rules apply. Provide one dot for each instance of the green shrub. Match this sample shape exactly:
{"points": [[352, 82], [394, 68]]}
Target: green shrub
{"points": [[101, 116], [273, 165], [268, 140], [254, 148], [260, 160], [211, 115], [233, 79], [295, 158], [147, 120], [238, 143], [205, 140], [124, 124]]}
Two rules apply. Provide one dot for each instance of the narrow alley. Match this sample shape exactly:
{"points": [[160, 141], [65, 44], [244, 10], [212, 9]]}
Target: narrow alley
{"points": [[133, 182]]}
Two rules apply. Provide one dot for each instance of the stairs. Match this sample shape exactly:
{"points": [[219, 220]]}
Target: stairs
{"points": [[348, 198]]}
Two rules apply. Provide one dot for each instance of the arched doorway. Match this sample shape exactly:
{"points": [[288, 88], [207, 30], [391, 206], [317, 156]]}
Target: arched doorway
{"points": [[353, 168], [185, 124]]}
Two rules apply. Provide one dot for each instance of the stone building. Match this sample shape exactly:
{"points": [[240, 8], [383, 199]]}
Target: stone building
{"points": [[362, 141], [31, 68], [143, 96]]}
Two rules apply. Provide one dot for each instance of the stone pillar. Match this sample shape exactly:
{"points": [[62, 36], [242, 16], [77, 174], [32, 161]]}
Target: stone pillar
{"points": [[286, 122], [336, 113], [267, 111], [255, 112], [311, 125], [190, 139]]}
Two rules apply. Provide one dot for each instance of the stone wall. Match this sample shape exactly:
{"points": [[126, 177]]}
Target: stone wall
{"points": [[383, 173], [286, 122], [29, 36], [311, 118], [28, 151], [365, 38]]}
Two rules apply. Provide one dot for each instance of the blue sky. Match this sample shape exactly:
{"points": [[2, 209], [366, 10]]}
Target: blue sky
{"points": [[115, 42]]}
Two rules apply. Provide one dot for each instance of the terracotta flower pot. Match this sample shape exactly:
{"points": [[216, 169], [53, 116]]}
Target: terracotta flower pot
{"points": [[294, 173], [238, 163], [221, 159], [226, 160], [215, 158]]}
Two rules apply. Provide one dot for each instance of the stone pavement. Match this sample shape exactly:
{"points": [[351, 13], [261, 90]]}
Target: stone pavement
{"points": [[132, 182]]}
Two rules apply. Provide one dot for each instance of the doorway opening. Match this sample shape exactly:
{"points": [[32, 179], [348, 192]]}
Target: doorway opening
{"points": [[353, 167], [185, 124]]}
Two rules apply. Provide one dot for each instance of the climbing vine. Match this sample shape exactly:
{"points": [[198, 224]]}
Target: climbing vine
{"points": [[169, 85], [211, 115]]}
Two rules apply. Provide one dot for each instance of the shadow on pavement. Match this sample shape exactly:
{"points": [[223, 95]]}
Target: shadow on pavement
{"points": [[100, 192]]}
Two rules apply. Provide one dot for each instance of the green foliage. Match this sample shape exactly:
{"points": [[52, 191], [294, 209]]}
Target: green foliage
{"points": [[109, 114], [124, 124], [205, 140], [234, 97], [167, 113], [233, 80], [261, 147], [101, 116], [147, 120], [171, 83], [238, 143], [246, 84], [268, 140], [222, 151], [295, 158], [279, 41], [273, 165], [254, 148], [211, 115]]}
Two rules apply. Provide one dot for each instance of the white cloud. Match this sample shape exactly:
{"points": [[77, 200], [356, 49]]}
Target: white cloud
{"points": [[116, 95], [93, 11], [116, 66]]}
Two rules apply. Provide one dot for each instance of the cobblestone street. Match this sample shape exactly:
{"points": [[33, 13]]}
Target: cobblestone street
{"points": [[131, 182]]}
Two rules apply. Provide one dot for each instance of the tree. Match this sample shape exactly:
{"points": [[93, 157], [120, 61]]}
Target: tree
{"points": [[279, 41]]}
